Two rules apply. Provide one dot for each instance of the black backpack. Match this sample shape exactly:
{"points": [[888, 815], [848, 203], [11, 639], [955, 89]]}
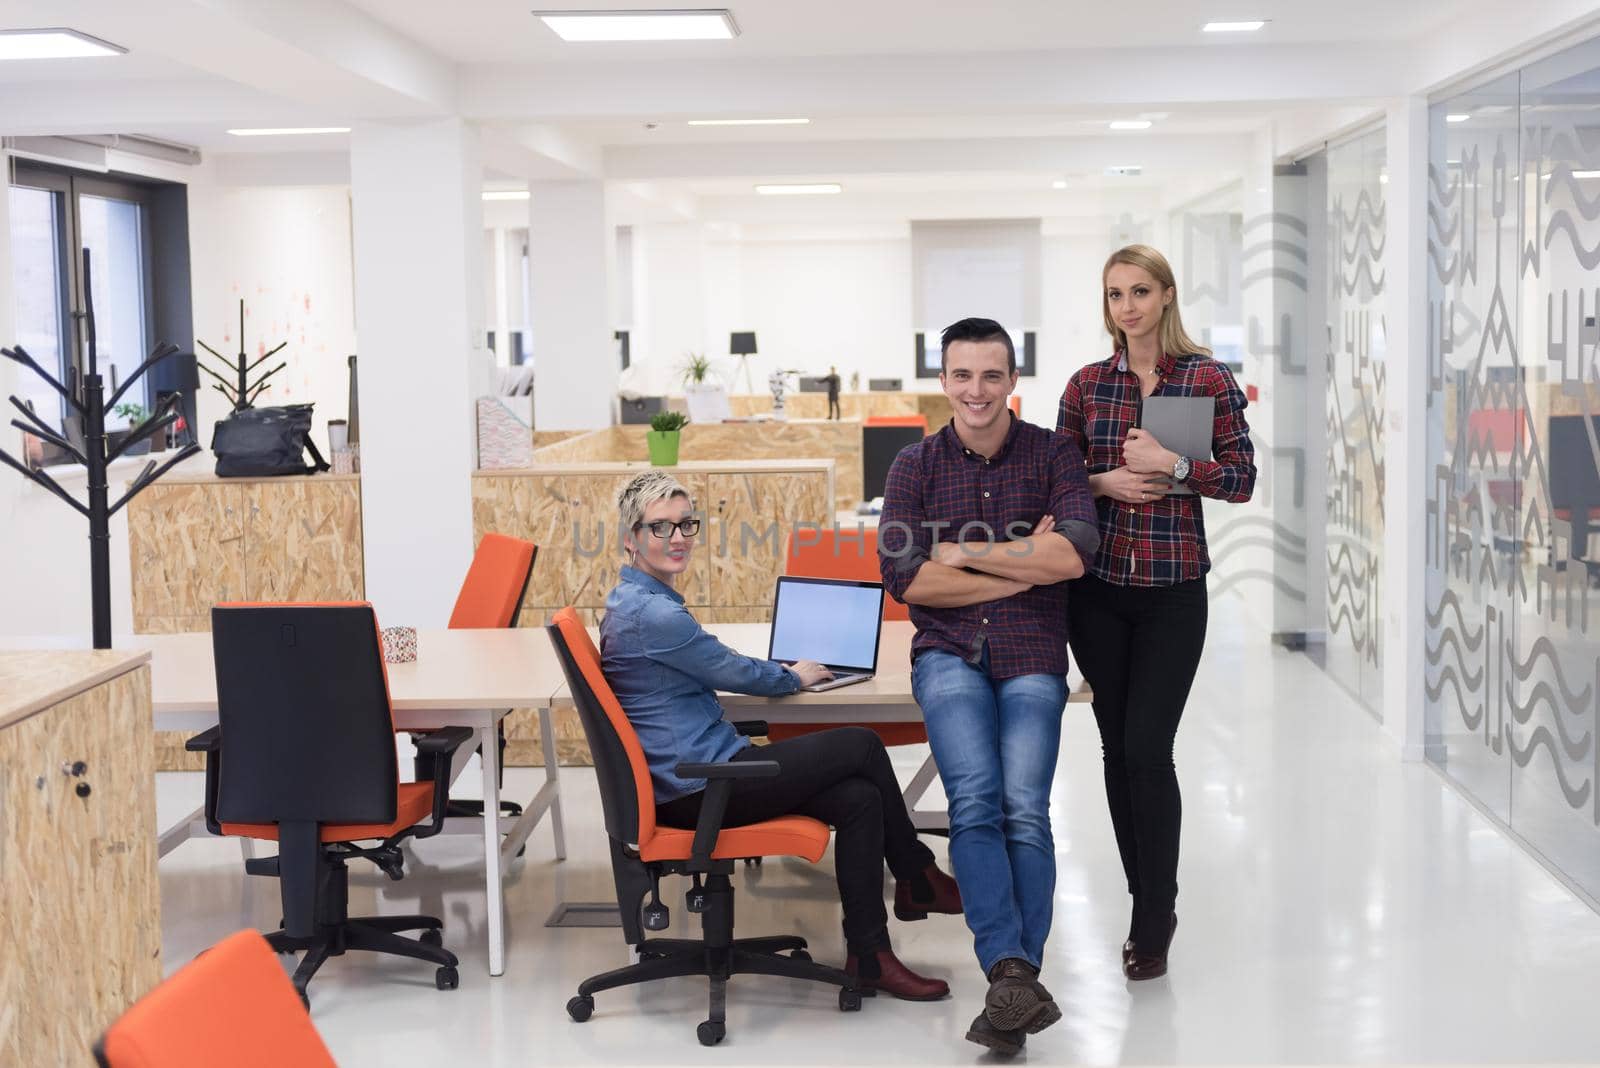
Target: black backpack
{"points": [[266, 441]]}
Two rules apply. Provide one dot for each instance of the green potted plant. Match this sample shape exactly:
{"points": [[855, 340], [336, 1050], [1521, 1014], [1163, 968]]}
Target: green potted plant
{"points": [[662, 437], [707, 398], [134, 414]]}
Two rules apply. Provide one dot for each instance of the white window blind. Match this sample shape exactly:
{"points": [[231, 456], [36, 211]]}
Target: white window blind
{"points": [[988, 268]]}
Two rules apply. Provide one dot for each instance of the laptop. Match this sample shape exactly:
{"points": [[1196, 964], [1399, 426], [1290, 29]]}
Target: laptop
{"points": [[1182, 424], [835, 622]]}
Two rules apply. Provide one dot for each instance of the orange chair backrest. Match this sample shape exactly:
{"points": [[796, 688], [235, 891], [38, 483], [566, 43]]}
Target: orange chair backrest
{"points": [[1014, 402], [492, 592], [898, 420], [587, 660], [231, 1005], [841, 555]]}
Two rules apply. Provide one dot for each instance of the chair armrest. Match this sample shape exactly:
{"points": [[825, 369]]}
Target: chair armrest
{"points": [[440, 744], [715, 804], [206, 741], [752, 728], [443, 740], [732, 769]]}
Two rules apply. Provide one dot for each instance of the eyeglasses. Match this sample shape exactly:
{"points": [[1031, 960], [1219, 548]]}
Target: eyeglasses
{"points": [[663, 528]]}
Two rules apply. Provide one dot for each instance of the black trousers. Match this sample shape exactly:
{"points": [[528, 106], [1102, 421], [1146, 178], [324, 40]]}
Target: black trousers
{"points": [[833, 406], [843, 778], [1139, 647]]}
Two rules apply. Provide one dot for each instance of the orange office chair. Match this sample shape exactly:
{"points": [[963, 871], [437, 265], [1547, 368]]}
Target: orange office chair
{"points": [[642, 851], [846, 557], [1014, 402], [303, 754], [490, 598], [230, 1005], [898, 420]]}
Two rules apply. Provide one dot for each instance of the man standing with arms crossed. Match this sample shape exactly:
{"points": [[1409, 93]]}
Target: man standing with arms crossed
{"points": [[983, 523]]}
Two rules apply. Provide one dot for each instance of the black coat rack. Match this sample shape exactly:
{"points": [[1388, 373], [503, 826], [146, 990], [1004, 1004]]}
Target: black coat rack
{"points": [[241, 392], [86, 396]]}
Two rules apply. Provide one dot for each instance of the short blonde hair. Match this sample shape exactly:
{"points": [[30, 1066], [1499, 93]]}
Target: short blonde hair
{"points": [[643, 490]]}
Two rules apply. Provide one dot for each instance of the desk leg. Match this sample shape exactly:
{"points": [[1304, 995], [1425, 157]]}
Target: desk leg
{"points": [[493, 887], [552, 779], [924, 821]]}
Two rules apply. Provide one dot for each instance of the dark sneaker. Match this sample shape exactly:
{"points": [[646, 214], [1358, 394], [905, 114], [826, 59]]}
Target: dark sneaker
{"points": [[1017, 1001], [1004, 1043]]}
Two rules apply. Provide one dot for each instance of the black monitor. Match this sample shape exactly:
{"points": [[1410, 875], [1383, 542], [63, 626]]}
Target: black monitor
{"points": [[1574, 476], [742, 343]]}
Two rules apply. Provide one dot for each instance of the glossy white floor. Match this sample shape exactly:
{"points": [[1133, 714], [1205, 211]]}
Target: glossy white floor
{"points": [[1337, 907]]}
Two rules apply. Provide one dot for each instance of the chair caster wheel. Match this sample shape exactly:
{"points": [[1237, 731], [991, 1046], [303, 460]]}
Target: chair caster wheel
{"points": [[446, 978], [710, 1032], [849, 1000], [580, 1007], [799, 954], [431, 937]]}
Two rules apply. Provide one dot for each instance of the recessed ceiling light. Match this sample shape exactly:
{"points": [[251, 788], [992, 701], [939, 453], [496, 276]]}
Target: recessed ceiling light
{"points": [[285, 131], [1383, 179], [1235, 27], [54, 43], [1457, 118], [707, 24], [506, 194], [748, 122], [1131, 124], [1059, 183], [800, 189]]}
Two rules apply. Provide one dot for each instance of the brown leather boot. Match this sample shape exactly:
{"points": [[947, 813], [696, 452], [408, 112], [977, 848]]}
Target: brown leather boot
{"points": [[882, 970], [930, 891], [1149, 963], [1017, 1001]]}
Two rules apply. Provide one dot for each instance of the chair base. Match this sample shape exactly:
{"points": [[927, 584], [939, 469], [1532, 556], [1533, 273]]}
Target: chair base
{"points": [[666, 958], [374, 934]]}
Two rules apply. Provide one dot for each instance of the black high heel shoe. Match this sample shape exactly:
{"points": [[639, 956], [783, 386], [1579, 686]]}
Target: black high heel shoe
{"points": [[1138, 964]]}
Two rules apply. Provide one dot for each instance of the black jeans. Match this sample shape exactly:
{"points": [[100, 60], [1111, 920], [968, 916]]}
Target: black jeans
{"points": [[833, 406], [843, 778], [1139, 647]]}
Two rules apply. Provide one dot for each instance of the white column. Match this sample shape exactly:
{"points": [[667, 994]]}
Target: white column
{"points": [[575, 365], [418, 242], [1405, 415], [670, 310]]}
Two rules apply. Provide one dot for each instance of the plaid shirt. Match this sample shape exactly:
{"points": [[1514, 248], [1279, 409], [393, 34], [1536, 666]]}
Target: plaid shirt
{"points": [[938, 488], [1163, 542]]}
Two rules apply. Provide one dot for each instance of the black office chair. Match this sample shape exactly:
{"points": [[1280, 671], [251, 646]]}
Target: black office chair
{"points": [[303, 754]]}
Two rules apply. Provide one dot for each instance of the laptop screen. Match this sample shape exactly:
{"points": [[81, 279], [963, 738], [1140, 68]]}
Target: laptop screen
{"points": [[831, 621]]}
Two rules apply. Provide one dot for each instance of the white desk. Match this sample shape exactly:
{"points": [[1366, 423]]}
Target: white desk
{"points": [[884, 698], [466, 678]]}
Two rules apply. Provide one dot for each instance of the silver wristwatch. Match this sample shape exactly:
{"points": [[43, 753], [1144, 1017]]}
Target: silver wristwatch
{"points": [[1180, 470]]}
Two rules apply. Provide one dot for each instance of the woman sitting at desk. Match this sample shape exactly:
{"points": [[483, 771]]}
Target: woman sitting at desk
{"points": [[665, 670]]}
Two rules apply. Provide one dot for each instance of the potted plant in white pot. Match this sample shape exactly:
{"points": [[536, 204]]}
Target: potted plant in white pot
{"points": [[706, 396], [662, 437]]}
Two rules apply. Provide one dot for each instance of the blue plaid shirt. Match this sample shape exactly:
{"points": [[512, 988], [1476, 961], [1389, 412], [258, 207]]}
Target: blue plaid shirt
{"points": [[666, 670], [1163, 542]]}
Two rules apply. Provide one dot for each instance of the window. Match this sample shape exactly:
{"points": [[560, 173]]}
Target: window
{"points": [[54, 213]]}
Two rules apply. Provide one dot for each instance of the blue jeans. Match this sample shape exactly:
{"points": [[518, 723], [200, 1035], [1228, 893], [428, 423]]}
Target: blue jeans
{"points": [[995, 741]]}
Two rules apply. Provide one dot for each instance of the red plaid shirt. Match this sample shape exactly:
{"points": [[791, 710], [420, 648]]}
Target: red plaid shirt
{"points": [[938, 490], [1163, 542]]}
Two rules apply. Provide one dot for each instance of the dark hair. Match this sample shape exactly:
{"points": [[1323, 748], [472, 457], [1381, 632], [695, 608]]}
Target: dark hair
{"points": [[979, 330]]}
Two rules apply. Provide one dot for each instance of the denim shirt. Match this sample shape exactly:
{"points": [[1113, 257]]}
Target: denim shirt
{"points": [[665, 670]]}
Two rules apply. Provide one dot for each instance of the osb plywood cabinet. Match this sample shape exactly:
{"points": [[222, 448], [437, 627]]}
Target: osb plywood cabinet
{"points": [[569, 511], [196, 541], [80, 907]]}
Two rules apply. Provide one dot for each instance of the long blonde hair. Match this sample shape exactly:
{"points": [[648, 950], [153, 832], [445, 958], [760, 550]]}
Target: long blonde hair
{"points": [[1175, 341]]}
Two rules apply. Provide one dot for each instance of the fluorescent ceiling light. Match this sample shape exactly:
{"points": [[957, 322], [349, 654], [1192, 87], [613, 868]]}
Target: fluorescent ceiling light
{"points": [[1586, 174], [55, 43], [506, 194], [748, 122], [1131, 124], [1457, 118], [801, 189], [1235, 27], [1059, 183], [286, 131], [714, 24]]}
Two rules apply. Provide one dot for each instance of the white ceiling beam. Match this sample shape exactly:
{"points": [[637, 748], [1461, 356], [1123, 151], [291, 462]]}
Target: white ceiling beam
{"points": [[966, 83], [837, 158]]}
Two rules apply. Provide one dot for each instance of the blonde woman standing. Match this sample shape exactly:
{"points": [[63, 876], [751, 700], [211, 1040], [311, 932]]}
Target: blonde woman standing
{"points": [[1138, 617]]}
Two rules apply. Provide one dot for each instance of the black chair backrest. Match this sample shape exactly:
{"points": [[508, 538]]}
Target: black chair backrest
{"points": [[303, 704], [614, 771]]}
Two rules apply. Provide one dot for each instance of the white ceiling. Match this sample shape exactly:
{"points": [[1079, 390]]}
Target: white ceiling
{"points": [[912, 101]]}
